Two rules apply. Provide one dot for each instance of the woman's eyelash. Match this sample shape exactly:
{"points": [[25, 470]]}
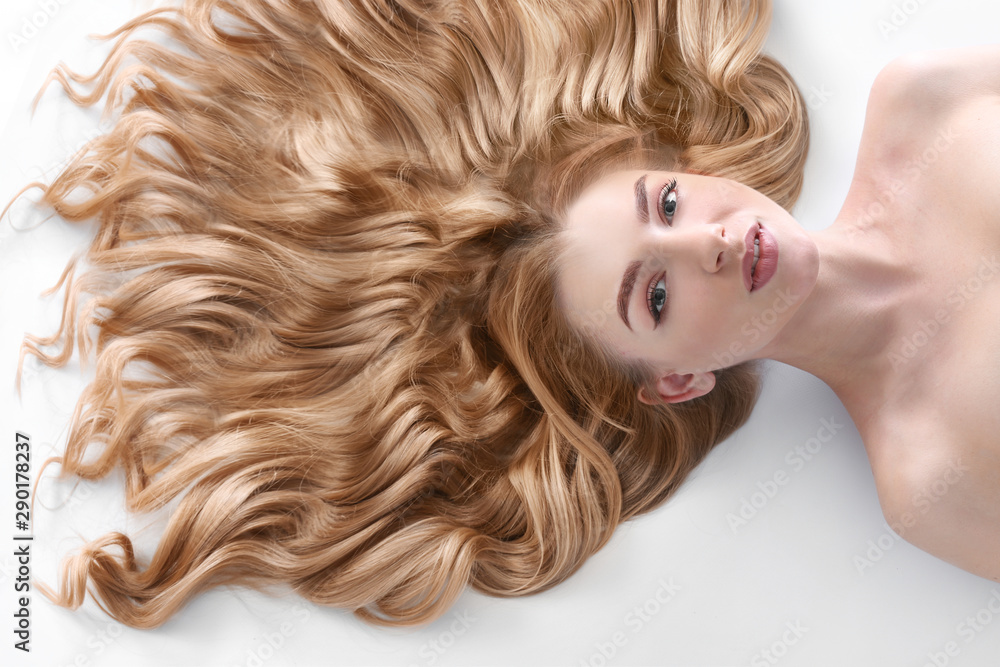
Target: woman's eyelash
{"points": [[657, 313], [665, 199], [668, 197]]}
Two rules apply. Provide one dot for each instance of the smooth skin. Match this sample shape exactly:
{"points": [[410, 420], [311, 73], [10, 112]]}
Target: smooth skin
{"points": [[895, 306]]}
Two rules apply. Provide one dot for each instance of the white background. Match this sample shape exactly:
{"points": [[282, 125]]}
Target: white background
{"points": [[680, 586]]}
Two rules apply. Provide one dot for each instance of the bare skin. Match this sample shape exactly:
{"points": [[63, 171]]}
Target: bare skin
{"points": [[896, 305]]}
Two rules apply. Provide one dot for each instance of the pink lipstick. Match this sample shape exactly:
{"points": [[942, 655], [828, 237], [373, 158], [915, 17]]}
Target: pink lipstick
{"points": [[761, 245]]}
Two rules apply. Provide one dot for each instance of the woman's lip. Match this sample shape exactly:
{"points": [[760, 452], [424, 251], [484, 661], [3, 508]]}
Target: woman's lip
{"points": [[767, 262], [748, 255]]}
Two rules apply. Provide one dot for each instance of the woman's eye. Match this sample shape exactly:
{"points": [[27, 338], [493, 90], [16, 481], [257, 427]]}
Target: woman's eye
{"points": [[656, 298], [668, 200]]}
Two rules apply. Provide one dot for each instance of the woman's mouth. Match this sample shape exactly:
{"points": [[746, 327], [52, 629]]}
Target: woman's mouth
{"points": [[761, 258]]}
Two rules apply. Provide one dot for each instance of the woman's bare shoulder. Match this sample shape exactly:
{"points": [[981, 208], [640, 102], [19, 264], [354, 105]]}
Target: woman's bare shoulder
{"points": [[928, 81], [919, 103], [918, 90], [943, 498]]}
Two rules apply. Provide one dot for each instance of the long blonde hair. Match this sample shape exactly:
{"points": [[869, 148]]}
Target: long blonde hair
{"points": [[323, 293]]}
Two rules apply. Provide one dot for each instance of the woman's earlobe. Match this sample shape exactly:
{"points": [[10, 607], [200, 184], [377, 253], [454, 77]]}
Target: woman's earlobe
{"points": [[674, 388]]}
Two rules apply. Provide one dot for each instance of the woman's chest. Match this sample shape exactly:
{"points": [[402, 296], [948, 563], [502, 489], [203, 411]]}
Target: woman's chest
{"points": [[941, 200], [942, 402]]}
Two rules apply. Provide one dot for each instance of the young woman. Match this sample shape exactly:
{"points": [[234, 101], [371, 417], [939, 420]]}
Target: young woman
{"points": [[334, 293], [894, 305]]}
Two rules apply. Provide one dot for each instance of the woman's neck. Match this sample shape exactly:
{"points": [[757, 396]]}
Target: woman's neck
{"points": [[843, 331]]}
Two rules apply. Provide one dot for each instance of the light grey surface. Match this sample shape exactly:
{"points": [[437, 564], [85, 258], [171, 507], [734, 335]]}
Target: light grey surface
{"points": [[814, 575]]}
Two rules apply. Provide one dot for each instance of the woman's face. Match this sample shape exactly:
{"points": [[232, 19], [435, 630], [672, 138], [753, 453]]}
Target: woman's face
{"points": [[658, 265]]}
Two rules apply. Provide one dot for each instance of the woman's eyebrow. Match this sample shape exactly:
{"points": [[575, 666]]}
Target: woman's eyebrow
{"points": [[625, 291], [628, 280], [641, 200]]}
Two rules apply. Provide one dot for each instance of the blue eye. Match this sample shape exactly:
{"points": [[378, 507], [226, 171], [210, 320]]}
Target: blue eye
{"points": [[668, 201], [656, 298]]}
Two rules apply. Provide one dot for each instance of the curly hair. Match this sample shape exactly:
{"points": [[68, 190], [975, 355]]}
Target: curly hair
{"points": [[323, 295]]}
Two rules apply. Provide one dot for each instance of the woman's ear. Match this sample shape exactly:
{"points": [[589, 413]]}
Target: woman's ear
{"points": [[674, 388]]}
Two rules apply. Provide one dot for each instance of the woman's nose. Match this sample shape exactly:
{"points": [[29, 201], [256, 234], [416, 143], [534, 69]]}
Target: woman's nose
{"points": [[708, 245]]}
